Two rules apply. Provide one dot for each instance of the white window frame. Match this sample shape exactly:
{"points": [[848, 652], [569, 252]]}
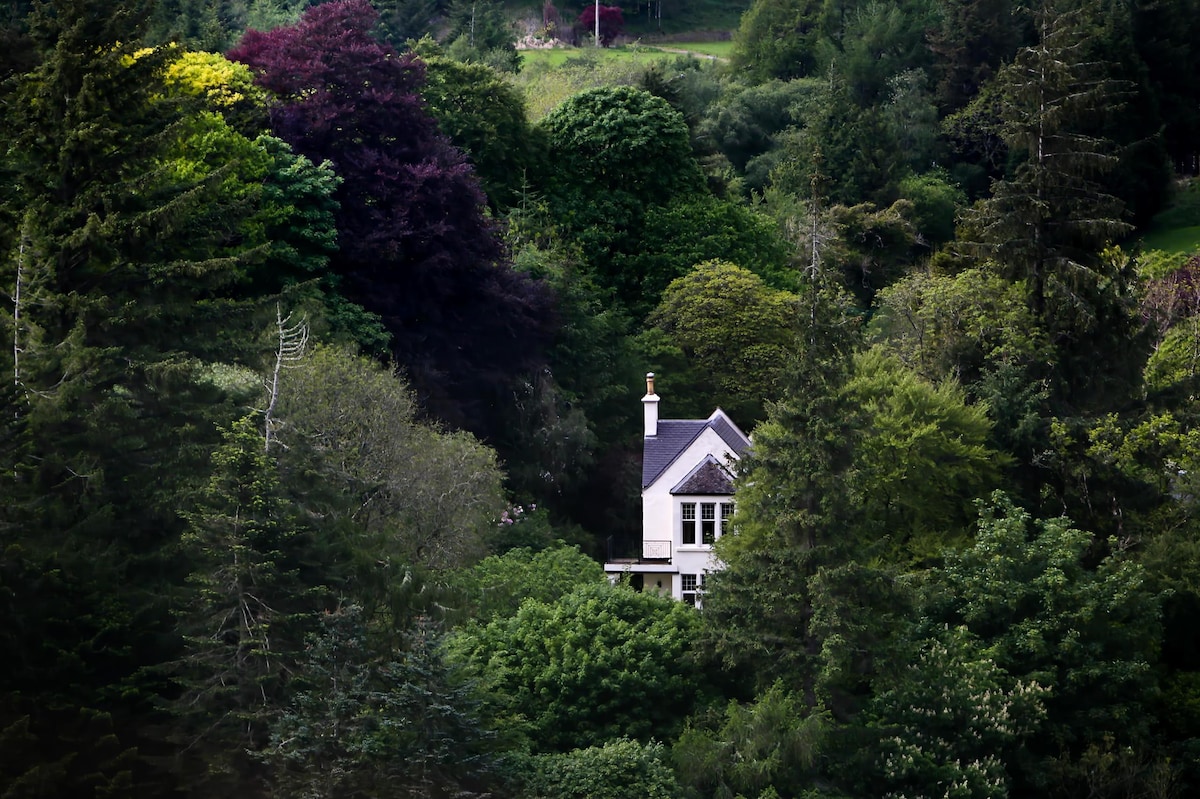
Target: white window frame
{"points": [[699, 521], [688, 524], [691, 589]]}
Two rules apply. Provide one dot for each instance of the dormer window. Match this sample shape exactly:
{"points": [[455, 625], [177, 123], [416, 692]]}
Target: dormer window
{"points": [[709, 525]]}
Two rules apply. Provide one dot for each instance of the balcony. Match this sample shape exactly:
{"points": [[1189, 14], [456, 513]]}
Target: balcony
{"points": [[657, 551]]}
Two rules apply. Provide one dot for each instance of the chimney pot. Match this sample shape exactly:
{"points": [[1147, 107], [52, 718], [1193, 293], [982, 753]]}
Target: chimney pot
{"points": [[650, 408]]}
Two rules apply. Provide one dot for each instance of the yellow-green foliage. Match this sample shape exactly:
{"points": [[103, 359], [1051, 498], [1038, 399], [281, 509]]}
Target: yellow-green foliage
{"points": [[222, 82], [951, 324]]}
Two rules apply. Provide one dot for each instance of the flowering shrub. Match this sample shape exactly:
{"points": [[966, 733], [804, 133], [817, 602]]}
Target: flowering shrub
{"points": [[523, 526], [515, 514]]}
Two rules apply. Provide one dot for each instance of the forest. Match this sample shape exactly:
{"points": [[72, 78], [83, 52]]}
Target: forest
{"points": [[325, 328]]}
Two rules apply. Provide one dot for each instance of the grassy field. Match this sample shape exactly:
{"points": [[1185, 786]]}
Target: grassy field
{"points": [[715, 49], [548, 77], [1174, 235], [1181, 241], [629, 54]]}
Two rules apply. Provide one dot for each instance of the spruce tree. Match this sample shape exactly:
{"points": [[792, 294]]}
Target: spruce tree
{"points": [[253, 596], [1050, 219], [793, 514]]}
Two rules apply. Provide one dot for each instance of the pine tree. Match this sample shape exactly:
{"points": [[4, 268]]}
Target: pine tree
{"points": [[375, 720], [132, 249]]}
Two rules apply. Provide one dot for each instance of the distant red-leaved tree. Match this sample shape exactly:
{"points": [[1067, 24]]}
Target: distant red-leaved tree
{"points": [[612, 23], [1172, 298], [415, 245]]}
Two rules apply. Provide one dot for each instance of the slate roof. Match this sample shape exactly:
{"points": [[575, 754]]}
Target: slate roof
{"points": [[675, 435], [709, 477]]}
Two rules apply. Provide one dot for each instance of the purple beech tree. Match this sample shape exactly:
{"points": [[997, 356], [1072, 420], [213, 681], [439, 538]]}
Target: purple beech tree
{"points": [[415, 245]]}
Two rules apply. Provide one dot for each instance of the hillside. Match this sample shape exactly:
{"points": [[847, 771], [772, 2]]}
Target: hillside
{"points": [[371, 395]]}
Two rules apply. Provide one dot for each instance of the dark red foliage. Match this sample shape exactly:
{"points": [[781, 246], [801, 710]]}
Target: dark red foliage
{"points": [[415, 245], [612, 23]]}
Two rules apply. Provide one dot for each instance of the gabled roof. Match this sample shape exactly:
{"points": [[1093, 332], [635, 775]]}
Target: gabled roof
{"points": [[676, 435], [708, 478]]}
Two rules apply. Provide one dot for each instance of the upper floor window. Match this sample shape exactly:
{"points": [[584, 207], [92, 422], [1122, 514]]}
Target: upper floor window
{"points": [[711, 523]]}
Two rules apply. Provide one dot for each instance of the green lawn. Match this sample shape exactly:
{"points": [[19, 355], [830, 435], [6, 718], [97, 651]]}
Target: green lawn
{"points": [[1180, 240], [561, 55], [1174, 235], [631, 54], [718, 49]]}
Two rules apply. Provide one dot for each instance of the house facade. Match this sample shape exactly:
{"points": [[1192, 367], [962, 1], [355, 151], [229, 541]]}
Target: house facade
{"points": [[687, 500]]}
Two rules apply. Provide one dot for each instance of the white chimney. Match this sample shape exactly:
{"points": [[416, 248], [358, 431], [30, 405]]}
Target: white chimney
{"points": [[650, 407]]}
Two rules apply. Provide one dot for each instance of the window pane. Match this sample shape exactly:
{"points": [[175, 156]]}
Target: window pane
{"points": [[687, 582], [687, 513], [708, 522], [726, 515]]}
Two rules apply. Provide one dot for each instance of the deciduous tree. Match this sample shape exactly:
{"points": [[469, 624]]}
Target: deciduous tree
{"points": [[619, 151], [568, 672], [735, 332], [416, 247], [416, 495], [1086, 635], [484, 116], [611, 23]]}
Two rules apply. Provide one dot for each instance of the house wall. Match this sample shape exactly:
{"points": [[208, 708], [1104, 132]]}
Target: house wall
{"points": [[665, 584], [660, 516], [658, 506]]}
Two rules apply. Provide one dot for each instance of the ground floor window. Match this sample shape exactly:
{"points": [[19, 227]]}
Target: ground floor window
{"points": [[692, 587]]}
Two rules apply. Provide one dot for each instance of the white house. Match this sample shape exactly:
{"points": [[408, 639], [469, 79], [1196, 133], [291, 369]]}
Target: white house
{"points": [[687, 500]]}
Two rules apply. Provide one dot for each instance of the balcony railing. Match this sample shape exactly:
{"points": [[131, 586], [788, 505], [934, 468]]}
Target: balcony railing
{"points": [[656, 550]]}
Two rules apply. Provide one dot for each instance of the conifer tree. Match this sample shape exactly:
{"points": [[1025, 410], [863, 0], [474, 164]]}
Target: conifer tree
{"points": [[1047, 222], [250, 605], [371, 720], [132, 250], [793, 512]]}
